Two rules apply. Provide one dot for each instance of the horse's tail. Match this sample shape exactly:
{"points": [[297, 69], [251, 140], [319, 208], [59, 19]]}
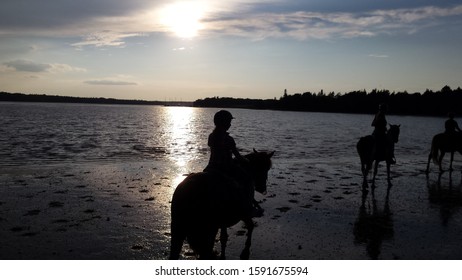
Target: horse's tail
{"points": [[434, 151]]}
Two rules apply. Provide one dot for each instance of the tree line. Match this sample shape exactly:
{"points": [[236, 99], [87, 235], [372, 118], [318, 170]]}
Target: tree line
{"points": [[400, 103], [435, 103]]}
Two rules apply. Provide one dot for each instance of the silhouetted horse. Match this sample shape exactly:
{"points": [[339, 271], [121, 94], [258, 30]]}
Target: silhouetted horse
{"points": [[444, 143], [207, 201], [369, 151]]}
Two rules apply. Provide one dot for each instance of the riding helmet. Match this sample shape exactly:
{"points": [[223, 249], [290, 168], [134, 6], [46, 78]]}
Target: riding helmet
{"points": [[222, 117]]}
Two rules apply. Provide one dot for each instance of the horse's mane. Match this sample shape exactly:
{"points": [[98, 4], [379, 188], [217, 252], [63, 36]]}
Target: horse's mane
{"points": [[260, 159]]}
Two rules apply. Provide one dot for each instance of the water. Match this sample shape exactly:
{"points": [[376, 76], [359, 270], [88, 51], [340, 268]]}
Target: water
{"points": [[37, 133], [313, 208]]}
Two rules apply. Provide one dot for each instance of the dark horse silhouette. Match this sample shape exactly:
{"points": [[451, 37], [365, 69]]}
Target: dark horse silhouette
{"points": [[369, 151], [207, 201], [443, 143]]}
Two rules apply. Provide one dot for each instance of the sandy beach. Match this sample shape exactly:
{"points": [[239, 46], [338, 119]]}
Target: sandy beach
{"points": [[319, 211]]}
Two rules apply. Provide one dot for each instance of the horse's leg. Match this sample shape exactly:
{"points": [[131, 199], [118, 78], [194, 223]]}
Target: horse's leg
{"points": [[376, 166], [178, 235], [388, 175], [428, 163], [452, 159], [248, 242], [223, 241], [440, 161], [365, 167]]}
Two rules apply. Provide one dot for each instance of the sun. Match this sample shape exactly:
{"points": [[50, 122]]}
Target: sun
{"points": [[183, 18]]}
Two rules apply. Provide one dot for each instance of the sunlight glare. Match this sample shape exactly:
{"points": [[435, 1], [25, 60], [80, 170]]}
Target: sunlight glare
{"points": [[183, 138], [183, 18]]}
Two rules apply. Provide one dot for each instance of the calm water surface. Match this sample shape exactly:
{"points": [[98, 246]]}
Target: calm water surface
{"points": [[35, 133]]}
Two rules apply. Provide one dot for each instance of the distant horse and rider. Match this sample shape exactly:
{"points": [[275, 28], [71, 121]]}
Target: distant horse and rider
{"points": [[380, 146], [450, 141], [219, 197]]}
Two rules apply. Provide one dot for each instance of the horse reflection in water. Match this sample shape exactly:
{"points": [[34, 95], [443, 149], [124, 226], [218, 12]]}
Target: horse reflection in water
{"points": [[446, 196], [443, 143], [205, 202], [370, 151], [373, 225]]}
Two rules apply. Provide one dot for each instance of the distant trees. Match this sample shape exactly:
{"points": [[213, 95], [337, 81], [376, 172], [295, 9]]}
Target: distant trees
{"points": [[20, 97], [403, 103]]}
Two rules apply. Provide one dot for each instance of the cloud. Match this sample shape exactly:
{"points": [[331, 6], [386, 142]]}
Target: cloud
{"points": [[304, 25], [23, 65], [106, 38], [111, 22], [27, 66], [108, 82], [378, 55]]}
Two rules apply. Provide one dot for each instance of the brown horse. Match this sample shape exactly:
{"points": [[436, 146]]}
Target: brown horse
{"points": [[207, 201], [369, 152], [443, 143]]}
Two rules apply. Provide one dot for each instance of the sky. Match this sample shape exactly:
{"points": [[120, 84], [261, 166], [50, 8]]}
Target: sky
{"points": [[188, 50]]}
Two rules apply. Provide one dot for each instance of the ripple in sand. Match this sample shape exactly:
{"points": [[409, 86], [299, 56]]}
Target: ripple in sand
{"points": [[32, 212], [29, 234], [60, 221], [137, 247], [283, 209], [16, 229], [55, 204], [294, 193]]}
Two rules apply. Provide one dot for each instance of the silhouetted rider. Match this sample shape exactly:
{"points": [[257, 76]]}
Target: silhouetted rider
{"points": [[380, 133], [222, 148], [222, 145], [451, 129], [380, 122]]}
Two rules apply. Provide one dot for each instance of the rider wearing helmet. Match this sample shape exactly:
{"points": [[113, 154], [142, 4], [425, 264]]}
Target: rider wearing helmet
{"points": [[222, 148], [383, 145], [451, 126], [452, 130], [380, 122], [222, 145]]}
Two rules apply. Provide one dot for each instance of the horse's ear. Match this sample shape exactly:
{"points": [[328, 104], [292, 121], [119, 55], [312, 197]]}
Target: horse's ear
{"points": [[271, 154], [255, 151]]}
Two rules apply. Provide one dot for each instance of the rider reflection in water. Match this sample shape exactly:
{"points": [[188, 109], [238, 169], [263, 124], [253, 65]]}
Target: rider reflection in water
{"points": [[380, 131]]}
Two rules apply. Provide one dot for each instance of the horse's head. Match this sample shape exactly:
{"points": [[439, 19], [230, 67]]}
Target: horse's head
{"points": [[260, 163], [393, 132]]}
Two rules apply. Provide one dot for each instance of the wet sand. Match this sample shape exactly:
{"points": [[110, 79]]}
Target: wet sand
{"points": [[313, 210]]}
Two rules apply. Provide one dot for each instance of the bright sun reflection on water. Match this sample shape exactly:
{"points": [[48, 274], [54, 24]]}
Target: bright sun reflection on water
{"points": [[183, 141]]}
